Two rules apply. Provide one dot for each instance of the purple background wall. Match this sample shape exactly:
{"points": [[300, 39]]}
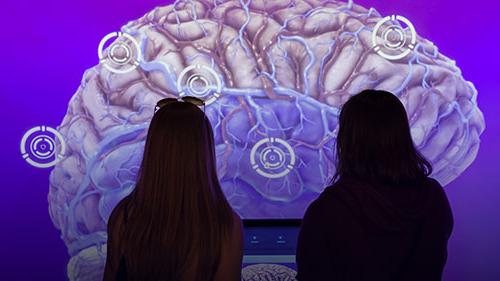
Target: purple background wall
{"points": [[46, 45]]}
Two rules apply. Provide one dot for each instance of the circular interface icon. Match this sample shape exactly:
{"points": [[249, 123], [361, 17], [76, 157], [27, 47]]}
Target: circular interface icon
{"points": [[272, 158], [203, 83], [122, 55], [391, 39], [43, 147]]}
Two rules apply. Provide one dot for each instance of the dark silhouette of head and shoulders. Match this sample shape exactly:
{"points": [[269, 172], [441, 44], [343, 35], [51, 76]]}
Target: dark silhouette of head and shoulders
{"points": [[176, 224], [383, 217]]}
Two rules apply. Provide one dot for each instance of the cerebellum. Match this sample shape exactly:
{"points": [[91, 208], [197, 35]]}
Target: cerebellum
{"points": [[275, 75]]}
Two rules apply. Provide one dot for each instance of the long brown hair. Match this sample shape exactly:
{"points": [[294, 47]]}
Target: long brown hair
{"points": [[178, 216]]}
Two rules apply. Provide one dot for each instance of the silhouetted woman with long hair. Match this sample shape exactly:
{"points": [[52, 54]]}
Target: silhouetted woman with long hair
{"points": [[176, 225], [383, 218]]}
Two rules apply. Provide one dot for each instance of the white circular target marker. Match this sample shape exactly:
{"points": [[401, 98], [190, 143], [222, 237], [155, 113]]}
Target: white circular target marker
{"points": [[120, 53], [272, 158], [198, 85], [395, 43], [394, 37], [38, 145], [42, 147]]}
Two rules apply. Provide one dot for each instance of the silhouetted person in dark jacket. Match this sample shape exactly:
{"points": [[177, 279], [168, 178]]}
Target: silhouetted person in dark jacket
{"points": [[383, 218]]}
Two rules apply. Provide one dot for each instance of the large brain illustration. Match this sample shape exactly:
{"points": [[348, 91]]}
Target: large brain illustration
{"points": [[274, 75]]}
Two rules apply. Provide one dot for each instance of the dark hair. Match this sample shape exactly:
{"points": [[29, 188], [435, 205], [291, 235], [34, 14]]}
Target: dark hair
{"points": [[374, 141], [178, 215]]}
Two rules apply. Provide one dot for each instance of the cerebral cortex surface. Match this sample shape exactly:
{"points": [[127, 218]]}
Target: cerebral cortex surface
{"points": [[274, 75]]}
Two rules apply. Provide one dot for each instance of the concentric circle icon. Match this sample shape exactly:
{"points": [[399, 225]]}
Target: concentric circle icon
{"points": [[43, 147], [272, 158], [122, 55], [200, 81], [391, 40]]}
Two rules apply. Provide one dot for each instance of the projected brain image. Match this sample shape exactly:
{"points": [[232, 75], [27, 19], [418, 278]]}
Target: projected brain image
{"points": [[274, 75]]}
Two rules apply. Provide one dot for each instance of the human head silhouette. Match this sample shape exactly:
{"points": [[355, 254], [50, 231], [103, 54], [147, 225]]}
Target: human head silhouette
{"points": [[374, 142], [178, 217]]}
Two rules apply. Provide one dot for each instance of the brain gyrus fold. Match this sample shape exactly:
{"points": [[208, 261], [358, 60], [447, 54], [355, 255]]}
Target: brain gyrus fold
{"points": [[274, 75]]}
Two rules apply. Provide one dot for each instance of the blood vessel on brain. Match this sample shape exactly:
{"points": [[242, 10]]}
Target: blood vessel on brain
{"points": [[285, 68]]}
